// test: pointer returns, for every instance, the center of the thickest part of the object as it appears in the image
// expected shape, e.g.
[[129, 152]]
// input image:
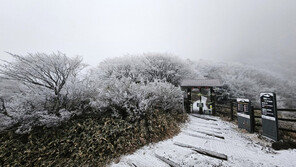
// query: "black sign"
[[245, 116], [269, 115], [268, 104]]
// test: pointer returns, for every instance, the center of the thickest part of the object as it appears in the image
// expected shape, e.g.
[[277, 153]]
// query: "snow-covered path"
[[242, 149]]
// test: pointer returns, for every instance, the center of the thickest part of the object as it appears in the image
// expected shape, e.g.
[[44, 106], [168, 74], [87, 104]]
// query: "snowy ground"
[[242, 149]]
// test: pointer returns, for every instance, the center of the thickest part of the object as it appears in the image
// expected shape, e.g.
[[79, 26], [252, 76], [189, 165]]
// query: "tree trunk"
[[56, 108]]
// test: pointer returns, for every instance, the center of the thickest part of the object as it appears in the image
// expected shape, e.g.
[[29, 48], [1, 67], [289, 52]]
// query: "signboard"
[[245, 115], [269, 115]]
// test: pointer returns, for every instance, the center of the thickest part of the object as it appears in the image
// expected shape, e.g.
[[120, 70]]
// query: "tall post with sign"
[[245, 117], [269, 115]]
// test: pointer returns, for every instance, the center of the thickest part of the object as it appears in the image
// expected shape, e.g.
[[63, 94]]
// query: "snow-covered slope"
[[242, 149]]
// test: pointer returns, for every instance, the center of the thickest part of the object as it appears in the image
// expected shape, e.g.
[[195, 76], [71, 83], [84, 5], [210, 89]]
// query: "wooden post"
[[189, 99], [213, 100], [211, 94], [200, 108], [214, 104], [231, 110], [252, 117], [211, 97]]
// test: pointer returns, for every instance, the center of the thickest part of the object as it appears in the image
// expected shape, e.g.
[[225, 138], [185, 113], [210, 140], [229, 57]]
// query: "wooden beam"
[[194, 135], [208, 123], [287, 109], [132, 164], [204, 151], [208, 130], [208, 119], [210, 127], [167, 161], [209, 134]]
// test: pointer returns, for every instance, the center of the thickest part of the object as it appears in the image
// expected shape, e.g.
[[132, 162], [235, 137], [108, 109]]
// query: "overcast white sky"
[[257, 30]]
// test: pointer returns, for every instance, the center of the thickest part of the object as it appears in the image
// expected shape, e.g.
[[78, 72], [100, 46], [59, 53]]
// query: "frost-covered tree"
[[247, 81], [165, 67], [40, 90], [50, 71], [146, 67], [133, 85]]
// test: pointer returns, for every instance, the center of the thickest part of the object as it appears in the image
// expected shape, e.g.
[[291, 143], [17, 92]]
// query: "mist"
[[259, 33]]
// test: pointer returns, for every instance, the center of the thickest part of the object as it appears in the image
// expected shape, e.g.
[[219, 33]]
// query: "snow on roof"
[[201, 83]]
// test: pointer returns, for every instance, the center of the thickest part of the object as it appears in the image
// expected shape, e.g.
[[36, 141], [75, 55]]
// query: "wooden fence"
[[286, 117]]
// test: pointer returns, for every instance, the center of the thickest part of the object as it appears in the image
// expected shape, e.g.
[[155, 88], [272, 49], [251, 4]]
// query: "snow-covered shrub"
[[247, 81], [146, 67], [124, 97], [41, 118], [77, 93], [26, 107], [131, 86], [5, 122]]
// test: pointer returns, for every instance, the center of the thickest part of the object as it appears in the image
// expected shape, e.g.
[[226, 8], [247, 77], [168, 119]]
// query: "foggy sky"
[[250, 31]]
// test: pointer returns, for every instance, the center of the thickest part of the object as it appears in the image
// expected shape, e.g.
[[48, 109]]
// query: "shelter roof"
[[201, 83]]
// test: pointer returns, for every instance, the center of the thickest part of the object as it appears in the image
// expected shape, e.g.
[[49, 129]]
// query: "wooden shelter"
[[189, 85]]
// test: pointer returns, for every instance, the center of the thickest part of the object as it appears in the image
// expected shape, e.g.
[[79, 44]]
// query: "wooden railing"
[[229, 110]]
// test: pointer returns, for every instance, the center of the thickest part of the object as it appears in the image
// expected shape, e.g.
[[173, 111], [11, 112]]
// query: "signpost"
[[245, 116], [269, 115]]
